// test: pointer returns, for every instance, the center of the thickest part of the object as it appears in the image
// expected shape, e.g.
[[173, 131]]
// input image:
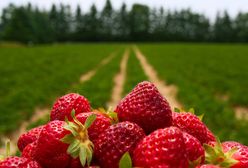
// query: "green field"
[[212, 78], [203, 74], [34, 76]]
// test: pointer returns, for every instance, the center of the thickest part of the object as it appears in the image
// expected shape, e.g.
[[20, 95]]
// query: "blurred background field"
[[45, 51]]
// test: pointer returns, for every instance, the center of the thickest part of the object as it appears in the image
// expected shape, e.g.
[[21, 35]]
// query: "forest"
[[30, 25]]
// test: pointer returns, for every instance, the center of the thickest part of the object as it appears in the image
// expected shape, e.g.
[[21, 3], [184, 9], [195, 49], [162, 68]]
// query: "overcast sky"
[[209, 7]]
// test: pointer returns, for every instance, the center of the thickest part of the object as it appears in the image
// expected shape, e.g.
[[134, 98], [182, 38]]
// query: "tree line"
[[29, 24]]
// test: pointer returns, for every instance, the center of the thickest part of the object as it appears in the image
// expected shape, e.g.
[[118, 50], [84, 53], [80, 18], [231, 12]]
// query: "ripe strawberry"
[[28, 137], [194, 149], [18, 162], [228, 154], [208, 166], [28, 151], [191, 124], [64, 105], [146, 107], [50, 150], [164, 147], [60, 142], [241, 153], [210, 136], [100, 124], [115, 141], [75, 163]]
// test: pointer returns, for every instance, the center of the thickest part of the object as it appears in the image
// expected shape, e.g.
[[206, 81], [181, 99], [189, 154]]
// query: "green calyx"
[[7, 152], [125, 161], [191, 110], [108, 113], [79, 142], [193, 164], [215, 155]]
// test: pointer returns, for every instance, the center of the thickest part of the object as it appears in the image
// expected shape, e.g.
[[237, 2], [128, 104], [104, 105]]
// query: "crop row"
[[34, 76], [134, 75], [210, 78]]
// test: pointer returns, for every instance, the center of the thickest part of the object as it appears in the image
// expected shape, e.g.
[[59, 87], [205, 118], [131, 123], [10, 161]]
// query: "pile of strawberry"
[[142, 131]]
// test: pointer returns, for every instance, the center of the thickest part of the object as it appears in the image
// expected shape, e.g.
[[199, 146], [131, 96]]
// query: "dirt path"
[[119, 81], [40, 113], [168, 91], [87, 76], [241, 113]]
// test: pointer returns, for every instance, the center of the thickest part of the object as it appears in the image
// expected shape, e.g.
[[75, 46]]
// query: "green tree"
[[223, 28], [91, 27], [107, 21], [20, 27], [63, 23], [53, 20], [121, 26], [139, 22], [241, 27]]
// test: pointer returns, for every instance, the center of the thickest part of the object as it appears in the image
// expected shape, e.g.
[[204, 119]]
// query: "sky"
[[208, 7]]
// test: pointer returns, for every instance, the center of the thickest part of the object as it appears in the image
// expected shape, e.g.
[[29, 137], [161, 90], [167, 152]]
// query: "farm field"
[[211, 78], [34, 76]]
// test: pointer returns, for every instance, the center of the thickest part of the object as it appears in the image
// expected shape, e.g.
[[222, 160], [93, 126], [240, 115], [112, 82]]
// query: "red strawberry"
[[146, 107], [210, 136], [28, 137], [228, 154], [241, 155], [53, 149], [191, 124], [18, 162], [230, 144], [75, 163], [208, 166], [50, 150], [194, 149], [64, 105], [115, 141], [28, 151], [100, 124], [163, 147]]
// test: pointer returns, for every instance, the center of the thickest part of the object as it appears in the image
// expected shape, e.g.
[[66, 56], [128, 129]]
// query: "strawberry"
[[50, 150], [60, 142], [228, 154], [75, 163], [191, 124], [241, 153], [115, 141], [28, 137], [64, 105], [194, 149], [164, 147], [18, 162], [210, 136], [28, 151], [146, 107], [100, 124], [208, 166]]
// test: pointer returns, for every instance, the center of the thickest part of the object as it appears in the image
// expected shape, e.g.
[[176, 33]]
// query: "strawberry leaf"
[[74, 146], [125, 161], [89, 121], [176, 109], [68, 139], [7, 148], [192, 110], [82, 156]]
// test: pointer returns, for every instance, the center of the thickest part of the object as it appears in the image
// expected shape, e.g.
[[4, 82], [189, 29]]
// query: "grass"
[[98, 89], [135, 73], [204, 74], [35, 76]]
